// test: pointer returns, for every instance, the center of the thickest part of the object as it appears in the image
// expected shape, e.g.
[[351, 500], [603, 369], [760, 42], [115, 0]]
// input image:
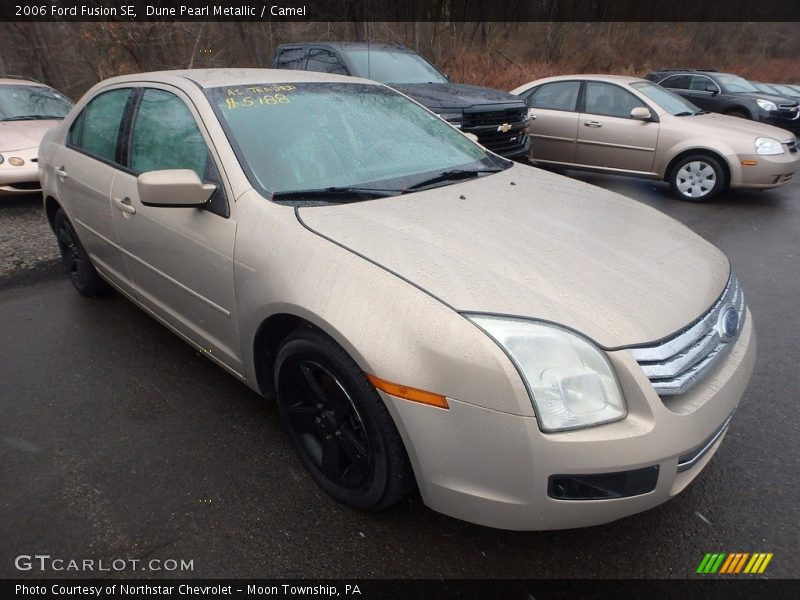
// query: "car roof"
[[210, 78], [350, 46], [5, 80], [593, 77]]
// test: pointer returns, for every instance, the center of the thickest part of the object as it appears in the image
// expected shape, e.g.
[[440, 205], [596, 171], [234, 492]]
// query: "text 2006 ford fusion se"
[[529, 351]]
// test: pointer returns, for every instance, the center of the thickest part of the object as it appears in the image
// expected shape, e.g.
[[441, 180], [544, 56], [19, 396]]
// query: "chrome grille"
[[676, 364]]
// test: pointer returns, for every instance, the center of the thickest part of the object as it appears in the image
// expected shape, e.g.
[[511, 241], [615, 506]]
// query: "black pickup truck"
[[497, 118]]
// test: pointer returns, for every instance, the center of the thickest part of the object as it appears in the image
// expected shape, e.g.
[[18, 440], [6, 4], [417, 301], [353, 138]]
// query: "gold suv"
[[631, 126]]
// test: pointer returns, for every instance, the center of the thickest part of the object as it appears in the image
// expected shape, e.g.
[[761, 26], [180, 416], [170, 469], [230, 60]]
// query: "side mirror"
[[641, 113], [471, 136], [710, 87], [173, 188]]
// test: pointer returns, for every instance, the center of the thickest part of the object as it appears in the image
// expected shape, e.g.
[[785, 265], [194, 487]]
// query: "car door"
[[180, 259], [85, 169], [553, 121], [703, 92], [607, 135]]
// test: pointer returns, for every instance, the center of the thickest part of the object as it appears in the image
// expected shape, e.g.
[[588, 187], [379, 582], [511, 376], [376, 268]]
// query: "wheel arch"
[[739, 108], [51, 206]]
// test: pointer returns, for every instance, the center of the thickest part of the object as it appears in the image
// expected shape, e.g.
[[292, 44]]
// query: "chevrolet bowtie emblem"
[[505, 127]]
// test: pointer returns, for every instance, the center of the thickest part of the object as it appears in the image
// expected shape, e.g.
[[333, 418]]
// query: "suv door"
[[85, 169], [553, 124], [180, 259], [607, 135]]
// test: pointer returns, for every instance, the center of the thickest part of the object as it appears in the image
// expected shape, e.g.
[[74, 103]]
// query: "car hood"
[[21, 135], [455, 95], [725, 125], [534, 244]]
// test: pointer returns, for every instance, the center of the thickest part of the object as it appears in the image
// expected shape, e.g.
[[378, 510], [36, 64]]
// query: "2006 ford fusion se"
[[530, 351]]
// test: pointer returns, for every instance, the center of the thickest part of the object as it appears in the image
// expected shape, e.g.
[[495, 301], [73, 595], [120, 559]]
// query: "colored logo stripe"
[[724, 563]]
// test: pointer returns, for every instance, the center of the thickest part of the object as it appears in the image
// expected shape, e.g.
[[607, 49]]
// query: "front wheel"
[[76, 260], [338, 423], [697, 178]]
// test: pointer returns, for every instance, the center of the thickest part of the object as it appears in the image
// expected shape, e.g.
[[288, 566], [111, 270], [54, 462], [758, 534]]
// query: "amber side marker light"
[[749, 163], [408, 393]]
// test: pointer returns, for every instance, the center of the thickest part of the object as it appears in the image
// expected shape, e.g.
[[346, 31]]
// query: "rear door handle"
[[124, 205], [61, 172], [593, 123]]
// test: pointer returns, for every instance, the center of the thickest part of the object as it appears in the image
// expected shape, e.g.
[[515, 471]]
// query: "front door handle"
[[61, 172], [124, 205], [593, 123]]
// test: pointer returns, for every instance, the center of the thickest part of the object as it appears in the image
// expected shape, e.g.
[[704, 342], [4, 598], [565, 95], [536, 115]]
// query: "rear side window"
[[96, 130], [291, 58], [677, 82], [325, 61], [561, 95], [609, 100]]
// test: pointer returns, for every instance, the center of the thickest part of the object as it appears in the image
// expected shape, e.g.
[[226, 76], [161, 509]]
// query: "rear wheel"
[[338, 423], [76, 260], [697, 178]]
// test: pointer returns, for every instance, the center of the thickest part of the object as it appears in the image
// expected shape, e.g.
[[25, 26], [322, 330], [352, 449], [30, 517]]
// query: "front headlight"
[[768, 146], [570, 380], [768, 105]]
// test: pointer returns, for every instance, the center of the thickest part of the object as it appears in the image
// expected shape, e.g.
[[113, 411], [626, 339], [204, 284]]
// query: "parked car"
[[495, 117], [731, 95], [786, 90], [632, 126], [518, 344], [27, 110]]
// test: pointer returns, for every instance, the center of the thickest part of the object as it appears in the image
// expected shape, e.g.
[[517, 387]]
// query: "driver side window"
[[165, 135]]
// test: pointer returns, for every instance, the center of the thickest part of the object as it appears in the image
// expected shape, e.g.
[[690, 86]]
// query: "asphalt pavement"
[[117, 440]]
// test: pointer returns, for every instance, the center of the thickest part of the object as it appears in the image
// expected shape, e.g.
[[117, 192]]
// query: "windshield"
[[31, 102], [735, 84], [388, 66], [670, 102], [314, 136]]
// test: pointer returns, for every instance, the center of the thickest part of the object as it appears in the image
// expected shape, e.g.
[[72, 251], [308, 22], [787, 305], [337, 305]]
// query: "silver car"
[[530, 351]]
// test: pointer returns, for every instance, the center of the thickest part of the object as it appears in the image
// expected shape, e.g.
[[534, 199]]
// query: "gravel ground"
[[26, 240]]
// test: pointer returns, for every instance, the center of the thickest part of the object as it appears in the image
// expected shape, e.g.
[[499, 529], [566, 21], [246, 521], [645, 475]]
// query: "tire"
[[738, 113], [338, 424], [76, 260], [697, 178]]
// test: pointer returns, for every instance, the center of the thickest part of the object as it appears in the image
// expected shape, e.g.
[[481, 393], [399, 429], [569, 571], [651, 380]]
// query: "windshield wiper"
[[453, 175], [31, 118], [336, 194]]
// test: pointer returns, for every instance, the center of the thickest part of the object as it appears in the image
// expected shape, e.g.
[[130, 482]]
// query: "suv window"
[[560, 95], [324, 61], [701, 83], [291, 58], [609, 100], [97, 128], [165, 135], [677, 82]]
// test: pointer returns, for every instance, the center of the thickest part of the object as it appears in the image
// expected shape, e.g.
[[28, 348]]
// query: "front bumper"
[[23, 179], [769, 172], [496, 469]]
